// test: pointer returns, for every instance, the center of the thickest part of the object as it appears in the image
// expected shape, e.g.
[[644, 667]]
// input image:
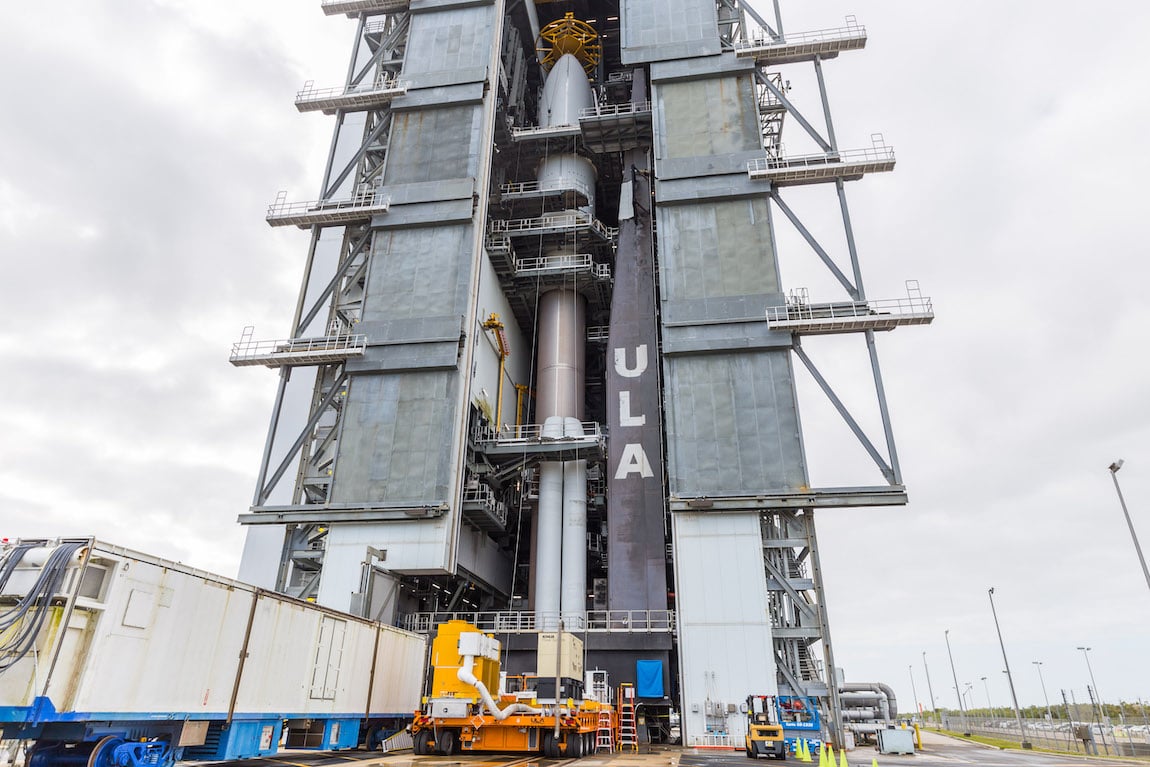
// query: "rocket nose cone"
[[566, 93]]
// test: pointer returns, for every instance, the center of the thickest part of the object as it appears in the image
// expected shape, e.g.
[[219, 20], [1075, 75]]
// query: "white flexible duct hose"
[[467, 676]]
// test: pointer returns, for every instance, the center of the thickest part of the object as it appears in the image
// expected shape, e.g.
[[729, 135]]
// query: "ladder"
[[605, 734], [628, 735]]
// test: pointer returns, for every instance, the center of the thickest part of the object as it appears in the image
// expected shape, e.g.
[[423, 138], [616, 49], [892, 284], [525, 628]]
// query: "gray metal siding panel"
[[449, 46], [658, 30], [732, 425], [417, 274], [707, 118], [710, 339], [717, 250], [437, 144], [397, 438]]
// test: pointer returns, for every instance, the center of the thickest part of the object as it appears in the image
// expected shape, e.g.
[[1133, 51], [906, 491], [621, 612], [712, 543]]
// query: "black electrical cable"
[[22, 623]]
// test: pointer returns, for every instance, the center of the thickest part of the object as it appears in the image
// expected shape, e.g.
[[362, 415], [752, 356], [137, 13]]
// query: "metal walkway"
[[799, 47]]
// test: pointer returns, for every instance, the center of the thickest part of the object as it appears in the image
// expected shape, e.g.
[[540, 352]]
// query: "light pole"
[[1114, 467], [1009, 677], [917, 707], [989, 705], [957, 691], [968, 692], [1049, 714], [1098, 695], [930, 688]]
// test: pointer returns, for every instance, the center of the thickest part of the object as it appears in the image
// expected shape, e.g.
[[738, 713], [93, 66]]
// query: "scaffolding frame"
[[332, 293]]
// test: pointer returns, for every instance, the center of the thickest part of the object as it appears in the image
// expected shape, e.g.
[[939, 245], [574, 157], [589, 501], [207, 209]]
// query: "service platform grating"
[[799, 47]]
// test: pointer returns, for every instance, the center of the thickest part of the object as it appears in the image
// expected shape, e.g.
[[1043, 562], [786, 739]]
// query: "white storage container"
[[133, 637]]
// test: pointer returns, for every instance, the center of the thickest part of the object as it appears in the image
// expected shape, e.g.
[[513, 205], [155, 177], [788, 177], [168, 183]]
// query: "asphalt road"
[[937, 751]]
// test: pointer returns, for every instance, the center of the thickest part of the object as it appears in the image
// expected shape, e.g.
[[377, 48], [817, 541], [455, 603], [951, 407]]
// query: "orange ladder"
[[628, 735]]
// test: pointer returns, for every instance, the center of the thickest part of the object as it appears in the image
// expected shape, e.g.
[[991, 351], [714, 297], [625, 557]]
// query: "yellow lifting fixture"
[[569, 35], [494, 324]]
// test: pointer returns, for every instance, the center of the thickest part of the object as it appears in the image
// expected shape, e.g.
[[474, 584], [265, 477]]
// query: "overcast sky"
[[140, 142]]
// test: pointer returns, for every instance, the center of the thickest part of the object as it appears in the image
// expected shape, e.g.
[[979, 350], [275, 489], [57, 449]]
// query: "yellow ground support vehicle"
[[463, 715], [764, 734]]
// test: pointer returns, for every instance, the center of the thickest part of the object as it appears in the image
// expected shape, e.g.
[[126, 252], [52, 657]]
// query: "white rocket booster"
[[561, 523]]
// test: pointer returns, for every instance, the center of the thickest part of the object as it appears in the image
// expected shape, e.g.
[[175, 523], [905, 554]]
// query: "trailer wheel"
[[574, 745], [447, 742], [588, 743], [423, 742], [550, 745], [93, 753]]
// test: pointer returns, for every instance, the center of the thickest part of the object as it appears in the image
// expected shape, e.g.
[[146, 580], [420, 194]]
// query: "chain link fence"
[[1057, 735]]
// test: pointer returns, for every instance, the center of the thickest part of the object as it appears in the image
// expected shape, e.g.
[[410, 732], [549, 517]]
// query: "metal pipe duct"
[[466, 674], [533, 20], [884, 694], [859, 714]]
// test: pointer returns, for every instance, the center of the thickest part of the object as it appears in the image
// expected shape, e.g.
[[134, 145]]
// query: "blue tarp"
[[649, 678]]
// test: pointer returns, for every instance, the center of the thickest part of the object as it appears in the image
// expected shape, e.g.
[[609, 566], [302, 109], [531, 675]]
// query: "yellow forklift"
[[764, 733]]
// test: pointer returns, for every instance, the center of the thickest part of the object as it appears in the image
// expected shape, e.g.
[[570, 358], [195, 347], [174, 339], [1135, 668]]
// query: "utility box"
[[570, 660], [898, 741]]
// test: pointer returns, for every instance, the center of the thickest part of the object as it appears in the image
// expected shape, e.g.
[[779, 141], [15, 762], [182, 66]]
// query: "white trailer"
[[113, 657]]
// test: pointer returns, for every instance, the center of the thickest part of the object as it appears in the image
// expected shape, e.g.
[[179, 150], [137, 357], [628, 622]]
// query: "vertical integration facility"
[[542, 366]]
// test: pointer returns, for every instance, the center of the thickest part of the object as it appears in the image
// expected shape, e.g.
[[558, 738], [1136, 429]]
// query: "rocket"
[[560, 587]]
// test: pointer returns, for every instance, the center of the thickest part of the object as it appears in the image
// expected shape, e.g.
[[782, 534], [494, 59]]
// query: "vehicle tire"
[[574, 745], [419, 743], [750, 753], [550, 745], [589, 741], [447, 742]]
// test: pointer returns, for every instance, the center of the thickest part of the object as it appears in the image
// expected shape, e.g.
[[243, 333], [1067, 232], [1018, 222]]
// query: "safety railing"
[[853, 32], [546, 264], [850, 309], [550, 131], [364, 93], [875, 154], [298, 351], [333, 7], [483, 497], [552, 223], [534, 432], [539, 188], [360, 207], [615, 110], [514, 622], [554, 443], [799, 315]]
